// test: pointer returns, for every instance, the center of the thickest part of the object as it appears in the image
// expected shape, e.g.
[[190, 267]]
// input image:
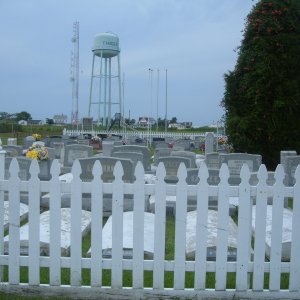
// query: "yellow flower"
[[33, 154]]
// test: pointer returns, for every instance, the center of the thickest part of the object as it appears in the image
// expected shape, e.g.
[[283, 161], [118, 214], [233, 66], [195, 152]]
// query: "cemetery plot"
[[128, 236], [286, 231], [65, 238], [212, 228]]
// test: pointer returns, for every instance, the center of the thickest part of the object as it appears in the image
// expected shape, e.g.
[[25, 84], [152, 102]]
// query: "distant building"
[[34, 122], [60, 119], [180, 126], [145, 121], [22, 122]]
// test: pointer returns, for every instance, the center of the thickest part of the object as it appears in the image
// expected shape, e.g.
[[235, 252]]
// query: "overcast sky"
[[193, 39]]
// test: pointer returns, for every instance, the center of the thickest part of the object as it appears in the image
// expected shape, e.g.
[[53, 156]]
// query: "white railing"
[[243, 266], [142, 134]]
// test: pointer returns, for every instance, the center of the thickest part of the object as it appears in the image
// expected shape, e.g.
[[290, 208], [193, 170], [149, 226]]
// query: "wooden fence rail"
[[248, 261]]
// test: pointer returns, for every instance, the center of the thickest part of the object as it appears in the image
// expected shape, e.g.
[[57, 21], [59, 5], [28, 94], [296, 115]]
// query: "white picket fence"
[[246, 285], [142, 134]]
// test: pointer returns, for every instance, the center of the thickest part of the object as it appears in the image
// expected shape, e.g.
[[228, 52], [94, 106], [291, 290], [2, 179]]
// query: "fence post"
[[2, 172]]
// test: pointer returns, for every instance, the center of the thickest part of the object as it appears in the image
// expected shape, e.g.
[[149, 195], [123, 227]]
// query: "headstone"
[[13, 150], [65, 233], [284, 155], [212, 161], [12, 142], [107, 147], [73, 152], [136, 148], [212, 229], [134, 156], [286, 231], [161, 152], [108, 165], [182, 144], [172, 164], [187, 154], [291, 165], [51, 153], [128, 236], [209, 142], [24, 166], [59, 149], [28, 141], [235, 162]]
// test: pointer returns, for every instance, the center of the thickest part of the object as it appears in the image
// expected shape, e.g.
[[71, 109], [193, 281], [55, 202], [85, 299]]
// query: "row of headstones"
[[288, 159]]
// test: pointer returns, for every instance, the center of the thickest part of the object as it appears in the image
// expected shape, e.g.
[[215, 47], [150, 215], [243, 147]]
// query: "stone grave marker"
[[212, 161], [28, 141], [187, 154], [136, 148], [209, 142], [13, 150], [235, 162], [12, 142], [73, 152], [107, 147], [51, 153], [134, 156], [161, 152], [212, 228], [128, 236], [171, 164], [291, 164]]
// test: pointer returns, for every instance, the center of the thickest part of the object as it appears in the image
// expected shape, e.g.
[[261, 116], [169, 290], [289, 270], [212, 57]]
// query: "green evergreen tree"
[[262, 93]]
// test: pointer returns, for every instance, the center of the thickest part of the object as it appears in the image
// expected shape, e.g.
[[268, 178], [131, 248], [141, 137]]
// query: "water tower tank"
[[106, 43]]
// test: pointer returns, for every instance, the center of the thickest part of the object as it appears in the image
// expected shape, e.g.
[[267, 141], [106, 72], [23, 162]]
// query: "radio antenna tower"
[[75, 73]]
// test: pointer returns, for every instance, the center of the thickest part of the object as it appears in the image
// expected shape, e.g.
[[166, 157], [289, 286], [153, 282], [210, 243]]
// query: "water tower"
[[105, 89]]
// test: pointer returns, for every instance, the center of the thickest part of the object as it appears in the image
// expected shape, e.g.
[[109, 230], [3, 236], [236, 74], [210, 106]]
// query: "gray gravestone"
[[212, 161], [59, 149], [13, 150], [51, 153], [235, 162], [209, 142], [291, 165], [107, 147], [172, 164], [182, 144], [12, 142], [187, 154], [134, 156], [161, 152], [136, 148], [24, 166], [73, 152], [28, 141]]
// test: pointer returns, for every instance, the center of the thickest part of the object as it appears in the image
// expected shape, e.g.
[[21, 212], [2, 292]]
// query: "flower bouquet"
[[37, 136], [37, 152]]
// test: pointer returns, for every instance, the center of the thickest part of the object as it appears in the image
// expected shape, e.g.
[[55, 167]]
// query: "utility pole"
[[166, 115], [75, 73]]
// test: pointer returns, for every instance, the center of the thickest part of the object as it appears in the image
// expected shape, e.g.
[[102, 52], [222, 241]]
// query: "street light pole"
[[166, 115]]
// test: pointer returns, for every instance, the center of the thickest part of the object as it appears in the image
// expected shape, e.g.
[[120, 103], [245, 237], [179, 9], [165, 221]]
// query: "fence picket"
[[201, 230], [260, 229], [138, 224], [14, 223], [34, 224], [76, 242], [276, 235], [117, 227], [222, 231], [2, 170], [295, 248], [96, 226], [244, 230], [180, 228], [55, 220], [159, 228]]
